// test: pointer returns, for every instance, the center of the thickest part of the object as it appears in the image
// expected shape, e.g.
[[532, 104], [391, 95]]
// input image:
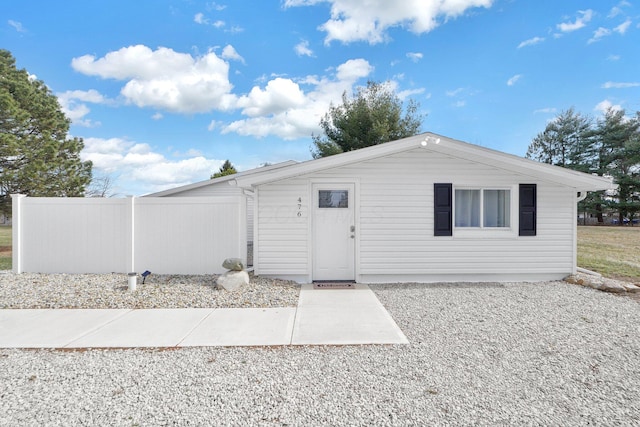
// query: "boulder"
[[232, 280], [631, 288], [233, 264], [611, 286], [598, 285], [571, 279]]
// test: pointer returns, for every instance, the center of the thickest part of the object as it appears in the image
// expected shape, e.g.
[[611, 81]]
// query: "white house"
[[421, 209]]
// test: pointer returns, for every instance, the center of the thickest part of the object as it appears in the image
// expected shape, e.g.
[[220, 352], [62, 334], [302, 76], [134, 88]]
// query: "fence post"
[[131, 224], [16, 232]]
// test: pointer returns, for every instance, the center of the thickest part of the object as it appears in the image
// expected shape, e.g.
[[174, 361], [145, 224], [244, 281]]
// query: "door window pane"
[[333, 198], [497, 208], [467, 208]]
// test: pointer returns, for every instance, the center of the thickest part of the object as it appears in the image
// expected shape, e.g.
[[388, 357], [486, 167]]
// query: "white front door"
[[334, 232]]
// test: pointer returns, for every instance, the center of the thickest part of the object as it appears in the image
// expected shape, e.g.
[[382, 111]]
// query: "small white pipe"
[[133, 278], [589, 272]]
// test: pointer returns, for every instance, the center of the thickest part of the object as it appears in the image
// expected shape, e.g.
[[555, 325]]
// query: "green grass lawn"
[[612, 251], [5, 248]]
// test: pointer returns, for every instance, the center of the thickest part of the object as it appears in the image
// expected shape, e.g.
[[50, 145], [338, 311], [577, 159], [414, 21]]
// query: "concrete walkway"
[[323, 317]]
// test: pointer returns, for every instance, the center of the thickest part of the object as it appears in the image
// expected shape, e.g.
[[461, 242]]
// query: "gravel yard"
[[159, 291], [480, 354]]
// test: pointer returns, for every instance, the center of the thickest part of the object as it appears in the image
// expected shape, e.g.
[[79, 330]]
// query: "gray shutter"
[[443, 209], [528, 210]]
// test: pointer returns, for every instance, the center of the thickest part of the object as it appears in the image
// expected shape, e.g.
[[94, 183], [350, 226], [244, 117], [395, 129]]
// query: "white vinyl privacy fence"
[[187, 235]]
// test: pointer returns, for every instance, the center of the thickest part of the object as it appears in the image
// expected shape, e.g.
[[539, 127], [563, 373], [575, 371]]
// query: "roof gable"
[[440, 144]]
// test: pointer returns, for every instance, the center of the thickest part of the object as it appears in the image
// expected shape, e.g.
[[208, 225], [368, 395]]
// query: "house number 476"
[[299, 207]]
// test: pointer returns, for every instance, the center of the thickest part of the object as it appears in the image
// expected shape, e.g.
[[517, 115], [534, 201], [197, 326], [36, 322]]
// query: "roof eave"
[[543, 171], [437, 143], [226, 178], [341, 159]]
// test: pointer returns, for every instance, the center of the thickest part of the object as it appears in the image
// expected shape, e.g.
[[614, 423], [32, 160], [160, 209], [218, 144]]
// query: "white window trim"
[[487, 232]]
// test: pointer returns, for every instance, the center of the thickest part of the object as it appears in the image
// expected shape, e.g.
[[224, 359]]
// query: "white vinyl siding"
[[283, 229], [395, 236]]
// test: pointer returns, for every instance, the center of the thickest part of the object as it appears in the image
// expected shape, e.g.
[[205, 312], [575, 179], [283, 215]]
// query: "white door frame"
[[356, 221]]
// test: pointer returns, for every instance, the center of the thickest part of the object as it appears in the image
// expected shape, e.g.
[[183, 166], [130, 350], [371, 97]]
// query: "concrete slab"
[[51, 328], [323, 317], [244, 327], [145, 328], [343, 316]]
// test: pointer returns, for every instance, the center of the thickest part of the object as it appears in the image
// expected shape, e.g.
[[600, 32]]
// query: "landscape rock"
[[596, 285], [571, 279], [632, 288], [603, 284], [233, 264], [610, 286], [232, 280]]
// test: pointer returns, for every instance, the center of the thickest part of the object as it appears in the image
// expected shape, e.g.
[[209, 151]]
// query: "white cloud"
[[164, 79], [73, 105], [580, 22], [622, 28], [235, 29], [278, 96], [214, 124], [215, 6], [302, 49], [17, 26], [355, 20], [547, 110], [598, 34], [514, 79], [229, 52], [169, 81], [613, 58], [353, 70], [291, 3], [91, 95], [606, 105], [604, 32], [284, 109], [137, 166], [414, 56], [200, 19], [619, 85], [404, 94], [617, 10], [461, 94], [531, 42]]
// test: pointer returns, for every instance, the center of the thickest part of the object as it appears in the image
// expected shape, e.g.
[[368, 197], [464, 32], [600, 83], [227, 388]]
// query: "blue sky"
[[163, 91]]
